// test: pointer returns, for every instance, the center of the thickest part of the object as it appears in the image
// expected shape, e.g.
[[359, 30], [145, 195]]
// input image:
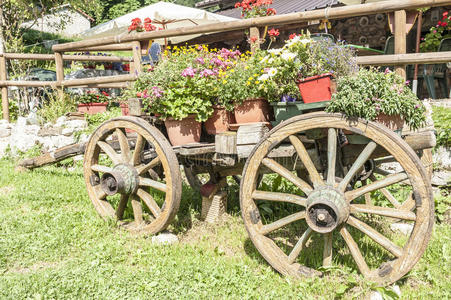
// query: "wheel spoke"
[[152, 183], [368, 200], [281, 170], [121, 206], [123, 143], [381, 172], [363, 157], [137, 209], [139, 146], [327, 252], [110, 152], [331, 155], [279, 197], [409, 204], [383, 211], [100, 168], [149, 201], [306, 160], [100, 194], [387, 181], [355, 252], [282, 222], [300, 245], [144, 168], [375, 236]]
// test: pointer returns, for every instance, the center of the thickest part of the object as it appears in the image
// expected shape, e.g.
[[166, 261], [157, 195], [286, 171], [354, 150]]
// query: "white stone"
[[47, 125], [51, 143], [376, 296], [60, 121], [21, 121], [22, 141], [442, 158], [165, 238], [396, 289], [3, 122], [67, 131], [78, 158], [441, 178], [403, 228], [83, 138], [31, 129], [5, 132], [4, 143]]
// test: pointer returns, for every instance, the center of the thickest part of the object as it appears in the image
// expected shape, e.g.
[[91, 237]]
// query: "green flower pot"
[[285, 110]]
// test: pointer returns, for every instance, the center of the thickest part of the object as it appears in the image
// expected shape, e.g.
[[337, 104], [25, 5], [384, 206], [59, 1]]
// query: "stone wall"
[[22, 136]]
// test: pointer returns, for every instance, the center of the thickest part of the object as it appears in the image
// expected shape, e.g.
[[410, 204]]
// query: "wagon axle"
[[122, 179]]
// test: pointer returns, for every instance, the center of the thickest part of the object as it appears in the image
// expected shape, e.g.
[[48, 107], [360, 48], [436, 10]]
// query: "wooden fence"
[[131, 42]]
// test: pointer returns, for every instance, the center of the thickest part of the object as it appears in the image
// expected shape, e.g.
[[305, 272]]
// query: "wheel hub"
[[122, 179], [326, 209]]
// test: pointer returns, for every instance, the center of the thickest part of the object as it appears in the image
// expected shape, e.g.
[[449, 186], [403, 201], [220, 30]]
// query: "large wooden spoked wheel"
[[132, 175], [333, 222]]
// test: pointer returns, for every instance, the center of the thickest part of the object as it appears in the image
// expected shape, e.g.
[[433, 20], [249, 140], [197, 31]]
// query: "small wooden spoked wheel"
[[337, 211], [128, 160]]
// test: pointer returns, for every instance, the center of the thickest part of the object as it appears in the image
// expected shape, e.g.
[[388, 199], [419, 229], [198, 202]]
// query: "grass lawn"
[[53, 245]]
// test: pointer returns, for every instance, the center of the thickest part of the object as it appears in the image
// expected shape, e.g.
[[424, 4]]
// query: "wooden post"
[[400, 38], [254, 34], [59, 74], [135, 68], [3, 76]]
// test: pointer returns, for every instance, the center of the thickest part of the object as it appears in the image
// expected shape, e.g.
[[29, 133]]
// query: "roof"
[[281, 6]]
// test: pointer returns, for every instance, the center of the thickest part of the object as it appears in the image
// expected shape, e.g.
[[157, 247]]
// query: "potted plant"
[[239, 92], [93, 103], [378, 96], [303, 61], [138, 26]]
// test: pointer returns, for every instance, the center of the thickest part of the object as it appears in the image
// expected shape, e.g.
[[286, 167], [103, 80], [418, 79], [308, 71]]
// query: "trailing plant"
[[56, 107], [93, 97], [436, 34], [370, 93]]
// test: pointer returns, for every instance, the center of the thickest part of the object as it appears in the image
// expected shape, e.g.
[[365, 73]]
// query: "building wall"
[[66, 22]]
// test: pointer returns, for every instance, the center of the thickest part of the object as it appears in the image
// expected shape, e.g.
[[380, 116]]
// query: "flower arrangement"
[[93, 97], [370, 93], [255, 8], [301, 57], [138, 26], [186, 81], [437, 33]]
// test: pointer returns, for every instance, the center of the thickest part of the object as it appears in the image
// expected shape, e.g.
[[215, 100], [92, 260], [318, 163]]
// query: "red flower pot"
[[92, 108], [185, 131], [252, 111], [218, 122], [124, 109], [316, 88]]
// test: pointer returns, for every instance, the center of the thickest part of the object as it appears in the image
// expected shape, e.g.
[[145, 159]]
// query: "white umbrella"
[[163, 14]]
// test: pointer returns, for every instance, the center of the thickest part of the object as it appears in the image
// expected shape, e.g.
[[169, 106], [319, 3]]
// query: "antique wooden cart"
[[335, 193]]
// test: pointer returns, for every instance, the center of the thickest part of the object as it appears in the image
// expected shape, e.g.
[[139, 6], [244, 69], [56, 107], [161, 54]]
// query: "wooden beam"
[[59, 73], [400, 39], [111, 47], [98, 80], [136, 65], [405, 59], [5, 102], [332, 13], [254, 33], [34, 56]]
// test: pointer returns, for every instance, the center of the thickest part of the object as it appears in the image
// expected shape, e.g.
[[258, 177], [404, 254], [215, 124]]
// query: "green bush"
[[13, 110], [442, 124], [55, 107]]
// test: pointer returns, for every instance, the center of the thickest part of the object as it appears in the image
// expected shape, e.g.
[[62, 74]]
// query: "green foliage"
[[13, 109], [93, 97], [442, 205], [371, 93], [431, 41], [56, 107], [96, 120], [442, 124]]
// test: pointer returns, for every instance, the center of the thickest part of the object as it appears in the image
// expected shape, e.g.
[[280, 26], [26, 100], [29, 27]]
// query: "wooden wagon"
[[331, 194]]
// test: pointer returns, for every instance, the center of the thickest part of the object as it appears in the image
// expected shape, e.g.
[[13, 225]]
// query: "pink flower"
[[188, 72], [200, 60], [387, 70], [206, 73]]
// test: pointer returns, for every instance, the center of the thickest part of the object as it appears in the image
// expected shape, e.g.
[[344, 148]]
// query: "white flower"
[[264, 59], [271, 60], [288, 55], [275, 51], [263, 77], [305, 41], [272, 72]]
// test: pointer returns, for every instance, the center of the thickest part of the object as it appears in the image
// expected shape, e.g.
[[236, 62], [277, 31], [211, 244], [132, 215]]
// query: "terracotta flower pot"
[[124, 109], [183, 131], [92, 108], [394, 122], [316, 88], [218, 122], [252, 111]]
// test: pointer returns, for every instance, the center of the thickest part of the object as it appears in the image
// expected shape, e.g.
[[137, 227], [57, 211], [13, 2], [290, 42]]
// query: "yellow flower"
[[248, 83], [224, 81], [257, 82]]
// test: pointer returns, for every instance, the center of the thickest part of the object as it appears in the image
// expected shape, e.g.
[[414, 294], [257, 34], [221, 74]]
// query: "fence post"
[[4, 76], [59, 74], [400, 39], [254, 34], [136, 66]]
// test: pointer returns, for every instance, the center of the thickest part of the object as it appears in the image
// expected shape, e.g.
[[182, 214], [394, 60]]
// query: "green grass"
[[53, 245]]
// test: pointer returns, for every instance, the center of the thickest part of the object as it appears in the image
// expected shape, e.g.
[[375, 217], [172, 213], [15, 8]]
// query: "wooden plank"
[[400, 39], [59, 73], [97, 80], [405, 59], [5, 101], [332, 13], [251, 133], [254, 34], [225, 142], [136, 66], [71, 57]]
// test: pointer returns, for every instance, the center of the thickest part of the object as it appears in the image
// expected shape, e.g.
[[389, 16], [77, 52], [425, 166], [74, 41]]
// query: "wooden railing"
[[131, 42]]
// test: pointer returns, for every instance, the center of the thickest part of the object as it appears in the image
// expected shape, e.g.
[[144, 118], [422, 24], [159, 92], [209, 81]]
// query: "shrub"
[[442, 124], [56, 107]]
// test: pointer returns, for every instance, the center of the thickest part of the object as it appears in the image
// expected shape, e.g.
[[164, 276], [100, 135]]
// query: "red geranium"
[[255, 8], [273, 32]]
